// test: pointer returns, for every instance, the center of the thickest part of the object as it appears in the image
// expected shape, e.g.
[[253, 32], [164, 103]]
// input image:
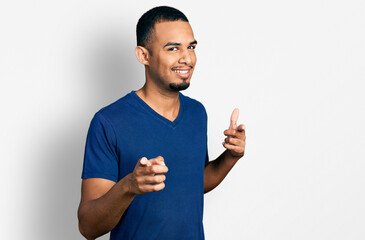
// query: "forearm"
[[99, 216], [218, 169]]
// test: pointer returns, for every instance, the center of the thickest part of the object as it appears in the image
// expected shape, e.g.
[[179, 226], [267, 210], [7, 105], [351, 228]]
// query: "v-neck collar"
[[157, 115]]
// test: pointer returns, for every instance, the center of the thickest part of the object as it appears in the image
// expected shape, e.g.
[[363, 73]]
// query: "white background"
[[295, 69]]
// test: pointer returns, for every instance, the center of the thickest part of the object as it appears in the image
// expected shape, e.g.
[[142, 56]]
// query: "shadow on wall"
[[114, 68], [112, 72]]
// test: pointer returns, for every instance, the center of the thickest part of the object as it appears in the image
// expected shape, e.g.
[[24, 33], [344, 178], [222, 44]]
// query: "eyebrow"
[[178, 44]]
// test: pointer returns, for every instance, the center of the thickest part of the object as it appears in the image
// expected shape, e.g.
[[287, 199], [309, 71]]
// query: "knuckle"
[[139, 180], [140, 188], [153, 169], [136, 175], [149, 170], [137, 171]]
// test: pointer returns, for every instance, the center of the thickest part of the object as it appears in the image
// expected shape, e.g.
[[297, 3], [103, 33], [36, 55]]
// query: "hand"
[[236, 136], [147, 175]]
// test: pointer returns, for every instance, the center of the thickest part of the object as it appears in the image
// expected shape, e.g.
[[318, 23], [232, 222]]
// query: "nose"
[[186, 57]]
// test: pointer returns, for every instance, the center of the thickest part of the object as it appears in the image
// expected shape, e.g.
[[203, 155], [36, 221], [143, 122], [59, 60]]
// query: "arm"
[[235, 143], [217, 170], [103, 202]]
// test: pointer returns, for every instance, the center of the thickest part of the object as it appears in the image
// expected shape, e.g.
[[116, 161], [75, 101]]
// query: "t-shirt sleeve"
[[100, 158], [206, 157], [205, 117]]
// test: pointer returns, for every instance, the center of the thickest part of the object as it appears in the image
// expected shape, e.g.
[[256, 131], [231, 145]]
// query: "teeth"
[[181, 71]]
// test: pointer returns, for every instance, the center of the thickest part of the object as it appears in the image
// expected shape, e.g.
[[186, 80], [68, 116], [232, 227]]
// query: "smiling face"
[[171, 59]]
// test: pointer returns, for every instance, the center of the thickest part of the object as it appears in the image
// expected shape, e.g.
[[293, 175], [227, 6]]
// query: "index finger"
[[234, 118], [155, 169], [158, 160]]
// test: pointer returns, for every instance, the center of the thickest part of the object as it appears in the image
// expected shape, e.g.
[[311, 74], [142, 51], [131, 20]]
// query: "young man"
[[146, 165]]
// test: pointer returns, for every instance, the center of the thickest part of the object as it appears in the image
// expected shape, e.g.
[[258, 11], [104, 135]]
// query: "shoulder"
[[117, 106], [191, 104], [117, 110]]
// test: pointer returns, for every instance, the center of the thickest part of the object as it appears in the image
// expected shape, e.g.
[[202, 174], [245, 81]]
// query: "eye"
[[172, 49], [191, 47]]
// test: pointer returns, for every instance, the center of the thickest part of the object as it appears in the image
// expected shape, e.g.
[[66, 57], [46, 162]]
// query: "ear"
[[142, 55]]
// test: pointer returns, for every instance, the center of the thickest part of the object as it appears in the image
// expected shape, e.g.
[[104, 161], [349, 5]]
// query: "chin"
[[179, 86]]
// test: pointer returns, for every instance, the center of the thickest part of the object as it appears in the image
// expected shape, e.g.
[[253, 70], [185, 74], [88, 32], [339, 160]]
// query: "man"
[[146, 165]]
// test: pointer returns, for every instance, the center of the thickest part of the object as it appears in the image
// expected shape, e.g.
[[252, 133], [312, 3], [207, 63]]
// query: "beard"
[[179, 87]]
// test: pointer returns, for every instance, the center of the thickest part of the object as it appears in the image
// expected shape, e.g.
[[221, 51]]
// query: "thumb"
[[144, 162], [234, 118]]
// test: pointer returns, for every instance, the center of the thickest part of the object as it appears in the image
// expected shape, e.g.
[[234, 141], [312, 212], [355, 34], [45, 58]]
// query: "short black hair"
[[155, 15]]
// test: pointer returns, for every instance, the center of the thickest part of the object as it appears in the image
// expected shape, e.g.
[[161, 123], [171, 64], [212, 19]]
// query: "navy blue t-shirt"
[[127, 130]]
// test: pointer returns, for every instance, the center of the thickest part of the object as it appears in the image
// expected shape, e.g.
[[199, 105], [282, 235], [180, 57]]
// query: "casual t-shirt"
[[127, 130]]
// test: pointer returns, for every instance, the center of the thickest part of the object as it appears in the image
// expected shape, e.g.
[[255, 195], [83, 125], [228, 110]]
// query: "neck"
[[165, 103]]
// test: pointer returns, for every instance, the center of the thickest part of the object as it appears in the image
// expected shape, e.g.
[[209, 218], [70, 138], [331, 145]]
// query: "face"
[[173, 59]]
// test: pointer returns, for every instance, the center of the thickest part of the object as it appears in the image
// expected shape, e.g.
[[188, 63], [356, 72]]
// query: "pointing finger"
[[234, 118], [158, 160], [155, 169]]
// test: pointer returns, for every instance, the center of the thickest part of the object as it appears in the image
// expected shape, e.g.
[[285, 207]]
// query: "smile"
[[182, 73]]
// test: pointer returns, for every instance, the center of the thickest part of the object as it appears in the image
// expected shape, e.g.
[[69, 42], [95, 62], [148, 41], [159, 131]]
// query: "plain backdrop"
[[295, 69]]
